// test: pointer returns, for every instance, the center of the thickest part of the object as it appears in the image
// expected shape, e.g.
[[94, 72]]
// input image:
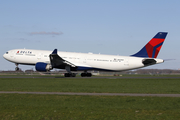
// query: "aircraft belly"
[[106, 66], [127, 64]]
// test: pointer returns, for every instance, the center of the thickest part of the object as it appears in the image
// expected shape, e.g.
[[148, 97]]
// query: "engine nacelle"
[[43, 67]]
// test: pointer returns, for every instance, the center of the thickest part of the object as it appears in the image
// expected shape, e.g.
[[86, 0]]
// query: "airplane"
[[47, 60]]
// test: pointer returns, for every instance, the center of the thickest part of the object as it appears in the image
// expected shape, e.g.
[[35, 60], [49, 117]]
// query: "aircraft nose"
[[5, 55]]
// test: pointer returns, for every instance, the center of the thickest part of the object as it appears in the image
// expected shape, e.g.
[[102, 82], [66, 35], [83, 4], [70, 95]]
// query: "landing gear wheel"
[[70, 75], [16, 69], [86, 74], [73, 75]]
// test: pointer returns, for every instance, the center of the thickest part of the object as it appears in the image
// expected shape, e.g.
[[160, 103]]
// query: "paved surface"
[[92, 94], [102, 77]]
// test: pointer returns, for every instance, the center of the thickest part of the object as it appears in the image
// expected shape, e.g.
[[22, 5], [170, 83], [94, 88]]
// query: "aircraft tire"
[[86, 74], [73, 75], [69, 75], [89, 75], [17, 69]]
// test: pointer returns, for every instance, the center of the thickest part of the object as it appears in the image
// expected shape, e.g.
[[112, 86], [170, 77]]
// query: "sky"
[[115, 27]]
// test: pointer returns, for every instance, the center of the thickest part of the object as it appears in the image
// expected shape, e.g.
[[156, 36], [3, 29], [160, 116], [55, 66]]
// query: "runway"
[[93, 94], [97, 77]]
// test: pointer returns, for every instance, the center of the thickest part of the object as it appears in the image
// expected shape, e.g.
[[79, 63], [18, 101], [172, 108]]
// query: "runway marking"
[[93, 94]]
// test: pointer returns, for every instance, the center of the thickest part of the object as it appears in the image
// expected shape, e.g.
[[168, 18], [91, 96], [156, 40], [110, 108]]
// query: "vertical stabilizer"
[[152, 48]]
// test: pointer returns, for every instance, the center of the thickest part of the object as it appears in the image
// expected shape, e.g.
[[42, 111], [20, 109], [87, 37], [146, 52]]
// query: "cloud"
[[46, 33]]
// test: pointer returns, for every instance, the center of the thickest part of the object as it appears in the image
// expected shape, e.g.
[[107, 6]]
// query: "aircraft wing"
[[56, 60]]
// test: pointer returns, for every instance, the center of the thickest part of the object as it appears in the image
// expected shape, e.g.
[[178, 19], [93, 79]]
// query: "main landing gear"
[[74, 74], [70, 75], [17, 68], [86, 74]]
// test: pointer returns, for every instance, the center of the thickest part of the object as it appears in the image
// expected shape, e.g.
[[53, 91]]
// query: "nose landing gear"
[[17, 68]]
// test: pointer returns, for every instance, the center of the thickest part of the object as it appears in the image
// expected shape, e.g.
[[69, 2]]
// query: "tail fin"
[[152, 48]]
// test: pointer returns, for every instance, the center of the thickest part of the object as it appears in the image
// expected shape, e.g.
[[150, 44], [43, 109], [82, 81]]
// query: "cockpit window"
[[6, 52]]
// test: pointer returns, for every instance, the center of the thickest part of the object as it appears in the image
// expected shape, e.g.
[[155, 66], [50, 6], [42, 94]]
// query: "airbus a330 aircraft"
[[47, 60]]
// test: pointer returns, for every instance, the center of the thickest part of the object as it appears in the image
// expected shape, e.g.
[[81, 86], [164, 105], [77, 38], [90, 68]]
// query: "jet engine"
[[43, 67]]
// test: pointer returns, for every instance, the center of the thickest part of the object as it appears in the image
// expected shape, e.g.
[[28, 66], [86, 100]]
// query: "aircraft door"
[[13, 54], [40, 55], [126, 62]]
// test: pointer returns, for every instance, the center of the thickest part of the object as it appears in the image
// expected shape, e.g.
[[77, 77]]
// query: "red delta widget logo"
[[24, 52]]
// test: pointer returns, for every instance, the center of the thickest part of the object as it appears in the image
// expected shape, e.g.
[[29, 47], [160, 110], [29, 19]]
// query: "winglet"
[[55, 51], [152, 48]]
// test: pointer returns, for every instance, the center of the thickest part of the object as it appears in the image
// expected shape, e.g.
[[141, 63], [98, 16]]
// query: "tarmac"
[[94, 77]]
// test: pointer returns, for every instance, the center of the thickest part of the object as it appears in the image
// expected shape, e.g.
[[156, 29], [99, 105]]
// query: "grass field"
[[97, 85], [64, 107], [54, 107]]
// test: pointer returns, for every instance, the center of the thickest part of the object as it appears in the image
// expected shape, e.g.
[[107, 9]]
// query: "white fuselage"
[[87, 61]]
